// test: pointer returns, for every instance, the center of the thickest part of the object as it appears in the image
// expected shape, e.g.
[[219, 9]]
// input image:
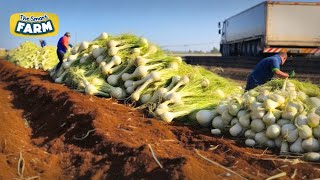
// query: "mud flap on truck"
[[315, 51]]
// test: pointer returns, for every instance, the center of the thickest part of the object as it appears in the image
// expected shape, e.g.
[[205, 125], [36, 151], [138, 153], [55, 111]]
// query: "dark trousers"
[[251, 83], [60, 57]]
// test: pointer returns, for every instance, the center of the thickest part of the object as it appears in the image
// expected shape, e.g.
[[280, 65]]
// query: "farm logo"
[[34, 24]]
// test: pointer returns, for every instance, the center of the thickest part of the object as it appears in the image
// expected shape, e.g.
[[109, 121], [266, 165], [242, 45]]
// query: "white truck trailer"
[[271, 27]]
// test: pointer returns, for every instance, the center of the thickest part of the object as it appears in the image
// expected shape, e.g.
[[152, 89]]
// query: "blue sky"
[[173, 24]]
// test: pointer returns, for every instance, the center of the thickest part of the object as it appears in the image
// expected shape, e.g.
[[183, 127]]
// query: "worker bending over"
[[266, 69]]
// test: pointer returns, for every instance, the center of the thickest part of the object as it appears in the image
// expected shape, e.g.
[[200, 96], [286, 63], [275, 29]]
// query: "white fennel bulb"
[[234, 108], [83, 46], [248, 100], [261, 138], [102, 36], [257, 125], [302, 96], [289, 132], [217, 123], [255, 105], [245, 120], [278, 142], [144, 98], [289, 113], [277, 98], [301, 119], [269, 118], [220, 93], [205, 83], [304, 131], [317, 111], [314, 101], [311, 144], [205, 117], [273, 131], [93, 47], [97, 52], [316, 132], [215, 131], [292, 136], [313, 120], [295, 104], [282, 122], [249, 134], [286, 128], [263, 95], [234, 121], [72, 58], [118, 93], [289, 85], [270, 104], [84, 58], [221, 108], [100, 59], [312, 156], [270, 143], [277, 113], [226, 117], [241, 113], [236, 130], [250, 142], [258, 113], [296, 147]]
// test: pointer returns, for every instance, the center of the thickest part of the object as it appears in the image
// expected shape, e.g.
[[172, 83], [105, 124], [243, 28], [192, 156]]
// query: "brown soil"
[[51, 132]]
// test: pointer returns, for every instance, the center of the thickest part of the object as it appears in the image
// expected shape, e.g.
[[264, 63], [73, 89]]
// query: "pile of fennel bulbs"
[[283, 114], [130, 68], [29, 55]]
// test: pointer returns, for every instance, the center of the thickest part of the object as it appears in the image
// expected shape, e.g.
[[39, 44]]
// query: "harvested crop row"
[[29, 55], [127, 67]]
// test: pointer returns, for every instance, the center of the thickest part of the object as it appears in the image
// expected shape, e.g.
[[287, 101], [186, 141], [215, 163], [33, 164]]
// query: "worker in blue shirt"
[[266, 69], [43, 43]]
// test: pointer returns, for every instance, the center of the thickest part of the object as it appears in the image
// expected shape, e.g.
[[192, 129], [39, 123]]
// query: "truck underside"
[[257, 47]]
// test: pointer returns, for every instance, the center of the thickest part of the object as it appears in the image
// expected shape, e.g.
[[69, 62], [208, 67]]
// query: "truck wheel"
[[248, 49], [243, 49], [227, 50], [224, 50], [254, 48]]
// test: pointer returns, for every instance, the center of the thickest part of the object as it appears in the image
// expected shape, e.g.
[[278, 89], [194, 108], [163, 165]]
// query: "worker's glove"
[[292, 74], [70, 45]]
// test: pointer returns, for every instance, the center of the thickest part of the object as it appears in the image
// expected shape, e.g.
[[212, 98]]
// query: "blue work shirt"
[[263, 71], [43, 43]]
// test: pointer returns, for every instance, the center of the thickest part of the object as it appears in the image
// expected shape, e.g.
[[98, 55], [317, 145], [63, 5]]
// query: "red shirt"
[[63, 44]]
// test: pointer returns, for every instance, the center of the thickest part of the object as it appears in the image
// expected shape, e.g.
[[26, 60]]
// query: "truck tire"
[[243, 49], [248, 52], [222, 50], [225, 50], [254, 48]]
